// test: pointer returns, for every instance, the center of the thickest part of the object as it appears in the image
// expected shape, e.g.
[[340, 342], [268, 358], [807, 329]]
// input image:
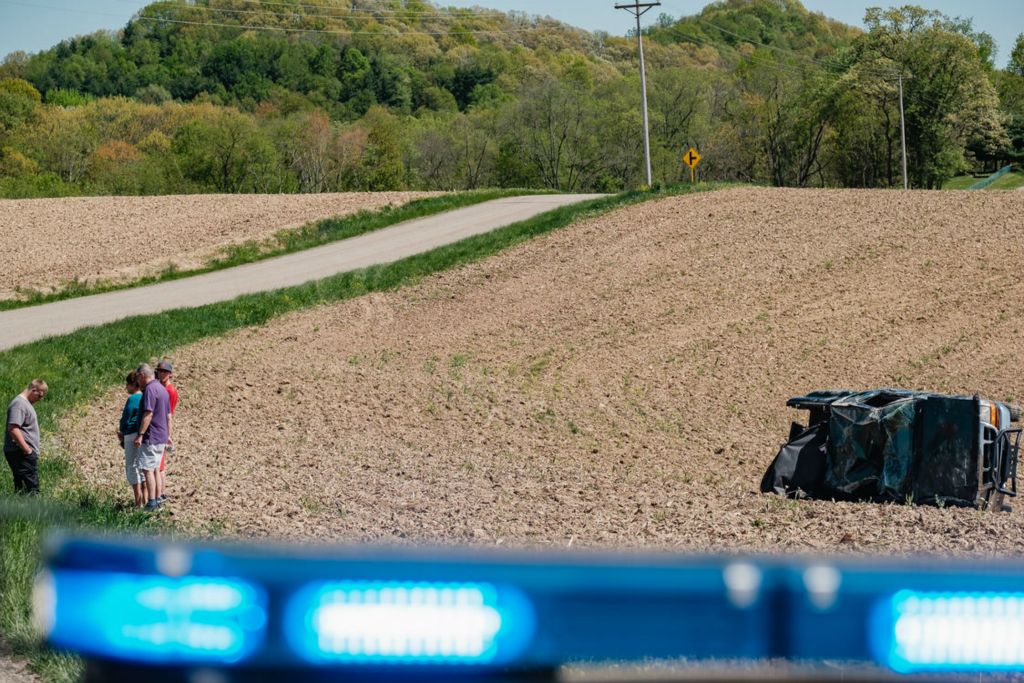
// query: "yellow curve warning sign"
[[691, 158]]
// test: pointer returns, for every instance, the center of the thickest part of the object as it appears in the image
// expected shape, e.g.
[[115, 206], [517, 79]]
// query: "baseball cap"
[[165, 365]]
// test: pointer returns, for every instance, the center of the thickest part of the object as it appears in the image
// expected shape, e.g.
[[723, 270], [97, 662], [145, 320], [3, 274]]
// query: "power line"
[[338, 13], [314, 15], [65, 9], [358, 10], [438, 10], [471, 16], [286, 29], [832, 66], [338, 17], [892, 76], [752, 42]]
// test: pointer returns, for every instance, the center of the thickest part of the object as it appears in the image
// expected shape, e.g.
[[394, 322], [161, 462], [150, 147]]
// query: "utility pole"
[[903, 135], [639, 9]]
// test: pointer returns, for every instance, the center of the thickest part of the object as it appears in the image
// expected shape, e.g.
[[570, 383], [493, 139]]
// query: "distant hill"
[[407, 55], [738, 26], [288, 96]]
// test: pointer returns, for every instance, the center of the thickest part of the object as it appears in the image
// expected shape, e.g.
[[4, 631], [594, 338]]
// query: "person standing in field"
[[152, 437], [127, 430], [164, 370], [21, 438]]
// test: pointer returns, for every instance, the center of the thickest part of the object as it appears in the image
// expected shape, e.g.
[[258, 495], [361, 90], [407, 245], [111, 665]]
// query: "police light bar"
[[428, 613], [408, 622]]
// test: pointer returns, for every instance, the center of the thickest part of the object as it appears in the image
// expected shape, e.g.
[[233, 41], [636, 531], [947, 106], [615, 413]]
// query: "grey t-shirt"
[[21, 413]]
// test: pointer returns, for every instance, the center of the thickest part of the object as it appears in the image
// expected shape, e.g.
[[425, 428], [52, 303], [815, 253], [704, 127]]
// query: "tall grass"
[[23, 526], [81, 365]]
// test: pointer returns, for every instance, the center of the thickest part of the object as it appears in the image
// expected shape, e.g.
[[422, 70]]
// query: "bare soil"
[[50, 242], [619, 383], [14, 669]]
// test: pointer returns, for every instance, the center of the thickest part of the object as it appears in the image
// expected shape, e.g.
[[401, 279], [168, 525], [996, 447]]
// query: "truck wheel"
[[1014, 412]]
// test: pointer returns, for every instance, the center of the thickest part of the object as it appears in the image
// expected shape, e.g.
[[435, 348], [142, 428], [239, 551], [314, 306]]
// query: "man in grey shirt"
[[21, 438]]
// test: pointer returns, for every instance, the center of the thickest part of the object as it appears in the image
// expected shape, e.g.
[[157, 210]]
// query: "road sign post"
[[691, 159]]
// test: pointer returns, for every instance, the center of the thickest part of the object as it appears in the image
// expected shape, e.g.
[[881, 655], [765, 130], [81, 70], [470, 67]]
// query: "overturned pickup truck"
[[901, 446]]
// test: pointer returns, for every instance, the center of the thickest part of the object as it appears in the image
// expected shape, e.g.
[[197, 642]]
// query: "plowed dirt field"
[[49, 242], [619, 383]]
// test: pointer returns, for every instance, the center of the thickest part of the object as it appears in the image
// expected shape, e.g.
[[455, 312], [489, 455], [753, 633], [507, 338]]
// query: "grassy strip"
[[960, 182], [1011, 181], [23, 526], [82, 364], [284, 242]]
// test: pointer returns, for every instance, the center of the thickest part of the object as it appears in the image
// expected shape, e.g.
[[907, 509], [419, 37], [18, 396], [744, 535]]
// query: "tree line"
[[242, 96]]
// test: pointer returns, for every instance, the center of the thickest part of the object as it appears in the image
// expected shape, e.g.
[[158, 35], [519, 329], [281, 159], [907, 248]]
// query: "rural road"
[[23, 325]]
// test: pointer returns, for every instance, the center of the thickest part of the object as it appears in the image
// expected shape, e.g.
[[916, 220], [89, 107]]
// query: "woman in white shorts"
[[127, 430]]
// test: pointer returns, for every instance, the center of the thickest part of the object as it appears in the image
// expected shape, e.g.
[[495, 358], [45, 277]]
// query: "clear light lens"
[[157, 618], [408, 622], [954, 631]]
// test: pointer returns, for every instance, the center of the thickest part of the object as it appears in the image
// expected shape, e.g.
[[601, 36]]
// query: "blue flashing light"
[[394, 623], [156, 619], [951, 632]]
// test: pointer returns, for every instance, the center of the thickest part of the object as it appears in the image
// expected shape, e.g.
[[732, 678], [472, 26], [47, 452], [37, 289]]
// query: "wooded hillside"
[[253, 96]]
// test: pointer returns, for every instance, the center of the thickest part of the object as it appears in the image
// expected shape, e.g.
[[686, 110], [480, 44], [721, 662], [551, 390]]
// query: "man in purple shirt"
[[153, 432]]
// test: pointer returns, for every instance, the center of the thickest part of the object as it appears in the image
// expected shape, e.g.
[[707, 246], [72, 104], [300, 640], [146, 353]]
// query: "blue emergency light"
[[408, 622], [954, 632], [155, 619], [462, 613]]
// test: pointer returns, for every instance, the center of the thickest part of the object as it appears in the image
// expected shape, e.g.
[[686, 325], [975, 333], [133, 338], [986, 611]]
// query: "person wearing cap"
[[21, 438], [152, 436], [164, 370]]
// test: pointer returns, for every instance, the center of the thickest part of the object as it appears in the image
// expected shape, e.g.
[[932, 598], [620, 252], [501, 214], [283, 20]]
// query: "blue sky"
[[33, 25]]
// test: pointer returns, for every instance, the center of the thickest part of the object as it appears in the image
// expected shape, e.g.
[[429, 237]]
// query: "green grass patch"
[[1011, 181], [23, 525], [284, 242], [961, 182], [83, 364]]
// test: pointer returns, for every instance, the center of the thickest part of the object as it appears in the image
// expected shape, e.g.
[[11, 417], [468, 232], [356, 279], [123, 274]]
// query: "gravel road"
[[49, 242], [396, 242]]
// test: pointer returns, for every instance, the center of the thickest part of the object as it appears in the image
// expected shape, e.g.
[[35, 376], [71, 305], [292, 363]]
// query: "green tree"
[[555, 122], [153, 94], [392, 82], [223, 150], [784, 112], [1016, 66], [19, 102], [306, 142], [949, 98], [63, 141], [383, 166]]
